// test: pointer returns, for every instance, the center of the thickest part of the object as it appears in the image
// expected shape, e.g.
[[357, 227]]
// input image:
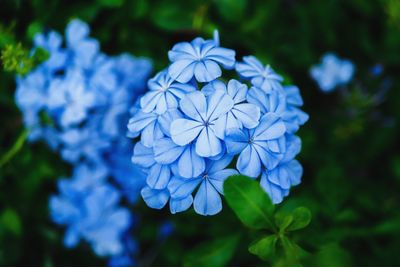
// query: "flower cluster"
[[78, 102], [193, 125], [332, 72]]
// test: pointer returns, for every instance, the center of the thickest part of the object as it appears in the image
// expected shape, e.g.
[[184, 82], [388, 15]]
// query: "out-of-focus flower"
[[88, 208], [332, 72], [78, 102]]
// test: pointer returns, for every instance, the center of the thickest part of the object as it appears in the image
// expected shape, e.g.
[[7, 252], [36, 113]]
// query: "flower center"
[[251, 140]]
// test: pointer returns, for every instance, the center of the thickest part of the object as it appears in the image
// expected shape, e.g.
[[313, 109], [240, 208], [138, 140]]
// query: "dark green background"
[[350, 150]]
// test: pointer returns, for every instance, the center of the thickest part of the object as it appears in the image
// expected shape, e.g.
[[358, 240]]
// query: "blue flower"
[[190, 135], [155, 198], [263, 77], [88, 208], [158, 175], [287, 173], [283, 102], [152, 126], [164, 93], [52, 43], [199, 58], [200, 124], [242, 114], [207, 200], [262, 146], [71, 98], [332, 72], [83, 49]]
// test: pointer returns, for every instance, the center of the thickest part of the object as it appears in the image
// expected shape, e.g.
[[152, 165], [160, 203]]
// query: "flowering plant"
[[194, 123]]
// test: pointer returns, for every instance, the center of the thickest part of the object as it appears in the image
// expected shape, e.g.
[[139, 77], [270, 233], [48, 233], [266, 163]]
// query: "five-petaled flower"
[[261, 76], [164, 93], [207, 200], [200, 59], [200, 125], [261, 146]]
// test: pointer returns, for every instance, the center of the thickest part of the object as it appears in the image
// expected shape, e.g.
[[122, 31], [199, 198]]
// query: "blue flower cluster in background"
[[332, 72], [194, 126], [78, 102]]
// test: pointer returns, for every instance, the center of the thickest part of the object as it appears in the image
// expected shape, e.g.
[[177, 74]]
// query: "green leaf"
[[301, 218], [250, 202], [216, 254], [264, 247], [10, 221], [283, 220], [293, 253]]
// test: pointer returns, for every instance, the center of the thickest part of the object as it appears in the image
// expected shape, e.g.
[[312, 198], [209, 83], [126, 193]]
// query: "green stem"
[[15, 148]]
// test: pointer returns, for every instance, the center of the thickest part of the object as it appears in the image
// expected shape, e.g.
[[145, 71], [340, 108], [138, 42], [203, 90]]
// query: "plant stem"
[[15, 148]]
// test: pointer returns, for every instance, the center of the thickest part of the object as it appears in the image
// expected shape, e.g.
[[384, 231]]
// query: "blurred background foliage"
[[351, 151]]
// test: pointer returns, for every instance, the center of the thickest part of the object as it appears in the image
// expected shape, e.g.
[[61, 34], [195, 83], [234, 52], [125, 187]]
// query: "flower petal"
[[270, 127], [184, 131], [155, 199], [182, 70], [218, 104], [249, 162], [190, 164], [194, 105], [182, 187], [207, 144], [143, 156], [180, 204], [206, 71], [166, 151], [247, 114], [159, 176], [207, 200]]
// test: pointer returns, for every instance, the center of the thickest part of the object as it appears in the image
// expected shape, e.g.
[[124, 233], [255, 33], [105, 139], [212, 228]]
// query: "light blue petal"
[[223, 56], [182, 70], [140, 120], [249, 162], [183, 50], [268, 158], [217, 165], [184, 131], [247, 114], [207, 200], [206, 71], [149, 101], [275, 192], [207, 144], [270, 127], [143, 156], [250, 67], [166, 119], [194, 105], [236, 140], [190, 164], [181, 204], [159, 176], [218, 104], [182, 187], [155, 199], [166, 151], [237, 91]]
